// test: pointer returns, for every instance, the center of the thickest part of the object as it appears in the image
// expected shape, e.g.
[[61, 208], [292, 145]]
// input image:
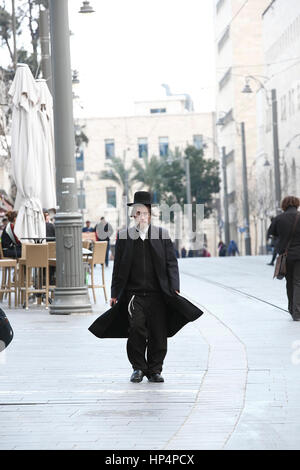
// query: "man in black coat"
[[145, 300], [282, 227], [50, 227]]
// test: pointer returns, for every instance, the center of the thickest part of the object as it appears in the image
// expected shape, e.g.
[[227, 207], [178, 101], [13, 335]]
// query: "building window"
[[111, 197], [143, 147], [225, 79], [231, 197], [219, 5], [283, 107], [109, 148], [223, 39], [292, 102], [158, 110], [163, 146], [228, 118], [198, 141], [229, 157]]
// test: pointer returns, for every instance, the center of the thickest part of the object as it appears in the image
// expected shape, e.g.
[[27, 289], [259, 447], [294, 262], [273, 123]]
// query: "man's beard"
[[141, 225]]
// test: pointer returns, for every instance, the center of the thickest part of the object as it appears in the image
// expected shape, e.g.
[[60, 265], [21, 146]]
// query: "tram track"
[[233, 289]]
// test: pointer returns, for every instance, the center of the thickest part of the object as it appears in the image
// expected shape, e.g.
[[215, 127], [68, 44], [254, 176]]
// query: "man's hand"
[[177, 291], [112, 301]]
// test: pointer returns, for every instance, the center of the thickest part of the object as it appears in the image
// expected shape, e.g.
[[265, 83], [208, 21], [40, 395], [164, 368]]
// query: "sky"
[[127, 49]]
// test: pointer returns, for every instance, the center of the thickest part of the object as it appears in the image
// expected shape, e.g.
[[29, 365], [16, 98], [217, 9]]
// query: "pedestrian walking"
[[232, 248], [50, 227], [183, 252], [11, 245], [222, 248], [104, 231], [204, 253], [286, 227], [146, 306]]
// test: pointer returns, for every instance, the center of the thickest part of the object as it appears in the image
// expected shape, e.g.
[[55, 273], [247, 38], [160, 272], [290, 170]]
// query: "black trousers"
[[147, 338], [293, 287]]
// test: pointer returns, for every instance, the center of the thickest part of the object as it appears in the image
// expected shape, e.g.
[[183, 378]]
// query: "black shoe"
[[270, 264], [295, 318], [155, 378], [137, 376]]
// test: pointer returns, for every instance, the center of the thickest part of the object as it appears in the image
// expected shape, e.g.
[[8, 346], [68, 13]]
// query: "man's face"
[[142, 216], [46, 215], [88, 224]]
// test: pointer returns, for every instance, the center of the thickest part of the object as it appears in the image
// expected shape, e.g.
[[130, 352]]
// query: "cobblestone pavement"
[[231, 378]]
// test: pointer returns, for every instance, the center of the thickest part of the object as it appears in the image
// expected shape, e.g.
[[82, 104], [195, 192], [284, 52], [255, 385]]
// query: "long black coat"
[[282, 227], [114, 322]]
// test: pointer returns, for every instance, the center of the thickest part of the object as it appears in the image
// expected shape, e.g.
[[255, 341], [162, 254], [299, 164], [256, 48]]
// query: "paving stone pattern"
[[231, 378]]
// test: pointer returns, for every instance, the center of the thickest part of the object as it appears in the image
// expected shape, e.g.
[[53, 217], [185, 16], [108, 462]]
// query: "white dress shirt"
[[143, 232]]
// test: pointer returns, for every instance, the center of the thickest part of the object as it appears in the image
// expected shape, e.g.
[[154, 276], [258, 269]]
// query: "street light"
[[241, 132], [71, 293], [186, 162], [75, 79], [273, 102], [222, 157], [86, 8]]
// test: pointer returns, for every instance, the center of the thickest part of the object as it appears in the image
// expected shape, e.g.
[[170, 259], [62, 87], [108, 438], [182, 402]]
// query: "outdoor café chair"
[[98, 257]]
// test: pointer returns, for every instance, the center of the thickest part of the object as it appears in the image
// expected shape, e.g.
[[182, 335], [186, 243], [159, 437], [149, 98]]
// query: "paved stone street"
[[232, 377]]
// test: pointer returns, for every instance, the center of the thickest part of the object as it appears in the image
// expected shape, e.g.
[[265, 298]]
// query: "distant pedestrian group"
[[232, 249]]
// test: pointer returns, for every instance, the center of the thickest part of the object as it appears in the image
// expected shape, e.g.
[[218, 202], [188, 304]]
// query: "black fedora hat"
[[141, 197]]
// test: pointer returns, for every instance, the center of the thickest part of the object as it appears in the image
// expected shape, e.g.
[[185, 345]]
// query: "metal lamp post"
[[246, 198], [222, 156], [189, 197], [240, 131], [45, 48], [273, 102], [276, 149], [220, 122], [71, 293], [226, 207]]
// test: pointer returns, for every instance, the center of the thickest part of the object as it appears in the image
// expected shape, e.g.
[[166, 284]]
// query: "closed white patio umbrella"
[[46, 153], [26, 142]]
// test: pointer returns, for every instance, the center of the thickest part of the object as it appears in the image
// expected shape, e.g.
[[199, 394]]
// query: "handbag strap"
[[292, 233]]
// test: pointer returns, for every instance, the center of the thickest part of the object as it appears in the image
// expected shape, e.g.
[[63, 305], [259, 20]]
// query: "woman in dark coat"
[[282, 227], [11, 245]]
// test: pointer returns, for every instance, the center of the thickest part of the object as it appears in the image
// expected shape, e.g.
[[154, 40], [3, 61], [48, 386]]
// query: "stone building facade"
[[239, 54], [281, 44], [158, 128]]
